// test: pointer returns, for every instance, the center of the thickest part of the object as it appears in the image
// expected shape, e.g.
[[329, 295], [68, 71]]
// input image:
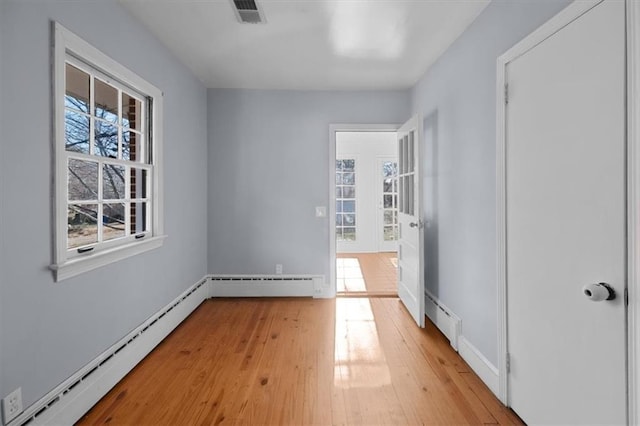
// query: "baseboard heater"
[[446, 321], [68, 402], [266, 285]]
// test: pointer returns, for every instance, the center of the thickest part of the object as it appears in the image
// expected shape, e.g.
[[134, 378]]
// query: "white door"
[[387, 190], [565, 180], [410, 239]]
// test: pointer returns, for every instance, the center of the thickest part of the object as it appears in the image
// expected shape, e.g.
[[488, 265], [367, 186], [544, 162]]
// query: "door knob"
[[413, 224], [599, 292], [418, 224]]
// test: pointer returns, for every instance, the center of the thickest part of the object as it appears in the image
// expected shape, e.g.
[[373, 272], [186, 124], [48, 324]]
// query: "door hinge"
[[506, 94], [508, 362]]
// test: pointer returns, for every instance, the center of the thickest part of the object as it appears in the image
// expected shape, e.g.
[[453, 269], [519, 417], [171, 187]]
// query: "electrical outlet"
[[12, 405], [279, 268]]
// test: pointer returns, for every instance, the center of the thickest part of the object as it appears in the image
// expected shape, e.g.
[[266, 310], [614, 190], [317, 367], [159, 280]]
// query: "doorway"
[[364, 200]]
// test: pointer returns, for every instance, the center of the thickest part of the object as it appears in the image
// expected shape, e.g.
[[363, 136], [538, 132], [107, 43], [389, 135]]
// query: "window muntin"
[[108, 151]]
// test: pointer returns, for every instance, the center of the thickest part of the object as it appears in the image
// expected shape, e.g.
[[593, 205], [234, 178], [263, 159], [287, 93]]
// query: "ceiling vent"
[[248, 12]]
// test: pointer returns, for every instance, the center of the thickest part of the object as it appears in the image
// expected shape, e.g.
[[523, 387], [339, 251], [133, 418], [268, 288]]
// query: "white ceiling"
[[308, 44]]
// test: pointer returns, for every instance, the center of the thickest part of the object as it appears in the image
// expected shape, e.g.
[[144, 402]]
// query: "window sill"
[[80, 265]]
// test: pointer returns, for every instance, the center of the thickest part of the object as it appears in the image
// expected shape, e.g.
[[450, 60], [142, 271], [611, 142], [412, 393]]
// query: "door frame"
[[333, 129], [567, 15]]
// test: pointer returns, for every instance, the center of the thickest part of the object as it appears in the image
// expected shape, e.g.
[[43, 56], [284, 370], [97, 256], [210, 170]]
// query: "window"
[[345, 200], [390, 200], [107, 147]]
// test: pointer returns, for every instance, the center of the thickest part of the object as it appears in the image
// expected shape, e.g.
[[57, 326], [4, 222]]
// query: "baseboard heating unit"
[[266, 285], [446, 321]]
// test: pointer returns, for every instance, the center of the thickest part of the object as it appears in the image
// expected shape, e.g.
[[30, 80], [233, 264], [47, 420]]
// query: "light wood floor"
[[372, 274], [301, 361]]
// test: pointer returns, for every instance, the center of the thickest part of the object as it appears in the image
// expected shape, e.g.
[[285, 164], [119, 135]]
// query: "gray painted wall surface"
[[457, 96], [50, 330], [269, 168]]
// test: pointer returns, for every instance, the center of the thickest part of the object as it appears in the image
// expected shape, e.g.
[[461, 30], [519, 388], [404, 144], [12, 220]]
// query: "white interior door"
[[410, 224], [565, 180]]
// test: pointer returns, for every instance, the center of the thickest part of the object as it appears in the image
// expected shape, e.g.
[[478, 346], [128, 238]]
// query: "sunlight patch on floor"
[[359, 360], [349, 276]]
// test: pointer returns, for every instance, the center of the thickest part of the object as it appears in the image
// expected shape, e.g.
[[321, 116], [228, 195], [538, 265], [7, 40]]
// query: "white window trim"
[[63, 267]]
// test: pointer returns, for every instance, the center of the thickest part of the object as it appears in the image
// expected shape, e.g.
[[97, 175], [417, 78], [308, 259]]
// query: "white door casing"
[[410, 222], [564, 223]]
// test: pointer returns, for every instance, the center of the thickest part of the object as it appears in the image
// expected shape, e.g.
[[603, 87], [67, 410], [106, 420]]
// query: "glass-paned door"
[[346, 199], [388, 190]]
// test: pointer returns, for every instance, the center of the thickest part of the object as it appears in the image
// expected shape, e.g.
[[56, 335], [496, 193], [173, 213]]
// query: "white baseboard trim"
[[487, 372], [268, 286], [69, 401], [446, 321], [451, 326]]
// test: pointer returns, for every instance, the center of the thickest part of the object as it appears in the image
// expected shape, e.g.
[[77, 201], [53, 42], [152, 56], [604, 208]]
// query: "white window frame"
[[68, 47]]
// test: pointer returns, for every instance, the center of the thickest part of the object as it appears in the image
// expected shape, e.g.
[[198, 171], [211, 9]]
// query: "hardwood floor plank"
[[345, 361]]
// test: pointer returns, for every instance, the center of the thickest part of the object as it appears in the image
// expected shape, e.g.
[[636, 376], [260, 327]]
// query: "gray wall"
[[269, 168], [457, 98], [50, 330]]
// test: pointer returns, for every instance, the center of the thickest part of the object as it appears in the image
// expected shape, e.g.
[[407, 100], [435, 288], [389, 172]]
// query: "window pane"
[[349, 192], [410, 195], [76, 89], [338, 165], [138, 181], [113, 182], [349, 206], [348, 165], [387, 185], [401, 155], [106, 139], [349, 179], [411, 153], [338, 178], [138, 211], [389, 234], [338, 206], [405, 154], [349, 234], [131, 112], [82, 227], [131, 145], [113, 221], [76, 131], [387, 201], [339, 219], [106, 101], [388, 217], [339, 192], [387, 169], [82, 180], [339, 236], [350, 219]]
